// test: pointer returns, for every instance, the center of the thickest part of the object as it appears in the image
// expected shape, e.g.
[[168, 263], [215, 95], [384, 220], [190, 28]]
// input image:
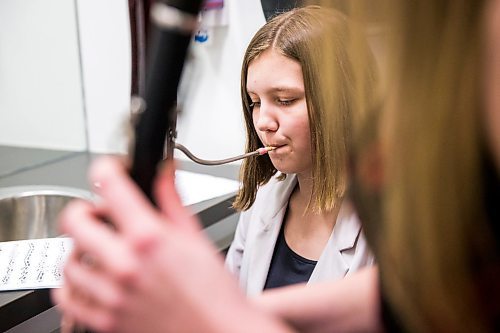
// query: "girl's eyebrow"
[[285, 89], [279, 89]]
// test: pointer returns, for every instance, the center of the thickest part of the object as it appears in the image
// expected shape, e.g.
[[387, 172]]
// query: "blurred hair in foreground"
[[423, 198]]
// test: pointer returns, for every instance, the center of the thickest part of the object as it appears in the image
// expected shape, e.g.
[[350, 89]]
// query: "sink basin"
[[29, 212]]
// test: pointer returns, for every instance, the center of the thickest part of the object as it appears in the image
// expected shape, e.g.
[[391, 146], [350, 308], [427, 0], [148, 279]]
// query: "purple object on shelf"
[[213, 4]]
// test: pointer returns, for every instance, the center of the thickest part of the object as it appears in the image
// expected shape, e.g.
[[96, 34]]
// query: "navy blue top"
[[287, 267]]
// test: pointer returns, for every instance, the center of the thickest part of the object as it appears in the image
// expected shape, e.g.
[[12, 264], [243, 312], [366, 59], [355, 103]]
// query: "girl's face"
[[276, 87]]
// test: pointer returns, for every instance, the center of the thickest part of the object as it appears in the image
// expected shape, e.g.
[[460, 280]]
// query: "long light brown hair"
[[310, 36], [430, 234], [434, 181]]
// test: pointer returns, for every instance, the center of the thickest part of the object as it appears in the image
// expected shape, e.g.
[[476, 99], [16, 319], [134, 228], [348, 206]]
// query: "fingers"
[[97, 240], [79, 310], [122, 201], [89, 279], [169, 201]]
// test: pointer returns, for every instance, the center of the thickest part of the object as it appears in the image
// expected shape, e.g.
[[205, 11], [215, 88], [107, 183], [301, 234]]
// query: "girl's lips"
[[276, 147]]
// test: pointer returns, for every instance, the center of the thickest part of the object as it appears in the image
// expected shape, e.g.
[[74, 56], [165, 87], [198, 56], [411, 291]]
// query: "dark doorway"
[[273, 7]]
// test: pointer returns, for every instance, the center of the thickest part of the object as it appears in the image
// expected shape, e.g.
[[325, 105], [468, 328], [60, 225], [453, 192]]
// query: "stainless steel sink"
[[28, 212]]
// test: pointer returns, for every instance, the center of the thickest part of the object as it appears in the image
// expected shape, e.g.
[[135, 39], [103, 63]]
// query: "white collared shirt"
[[251, 251]]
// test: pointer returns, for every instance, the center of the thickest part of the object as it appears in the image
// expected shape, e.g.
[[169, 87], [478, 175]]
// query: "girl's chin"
[[283, 168], [289, 166]]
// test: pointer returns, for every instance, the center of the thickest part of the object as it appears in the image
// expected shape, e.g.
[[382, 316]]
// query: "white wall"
[[105, 50], [211, 123], [41, 102]]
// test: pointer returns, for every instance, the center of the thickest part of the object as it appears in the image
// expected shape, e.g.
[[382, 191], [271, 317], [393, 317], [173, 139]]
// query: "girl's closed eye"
[[254, 104], [285, 101]]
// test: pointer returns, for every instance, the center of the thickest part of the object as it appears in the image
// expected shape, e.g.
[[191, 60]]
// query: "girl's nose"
[[266, 120]]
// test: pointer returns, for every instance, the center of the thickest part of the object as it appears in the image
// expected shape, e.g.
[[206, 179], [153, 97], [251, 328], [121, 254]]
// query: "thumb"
[[170, 203]]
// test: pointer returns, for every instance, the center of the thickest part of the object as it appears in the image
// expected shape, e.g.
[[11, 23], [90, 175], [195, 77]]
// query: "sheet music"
[[33, 264]]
